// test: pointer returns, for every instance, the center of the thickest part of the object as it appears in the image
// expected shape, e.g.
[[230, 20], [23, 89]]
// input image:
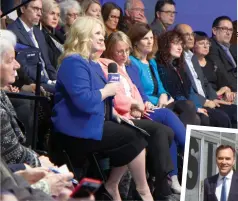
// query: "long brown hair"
[[163, 55]]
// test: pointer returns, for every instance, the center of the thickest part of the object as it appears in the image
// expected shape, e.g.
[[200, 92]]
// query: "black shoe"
[[102, 194], [171, 197]]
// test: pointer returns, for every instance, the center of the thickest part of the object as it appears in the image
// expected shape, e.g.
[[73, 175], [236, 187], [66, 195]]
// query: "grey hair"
[[127, 5], [66, 5], [8, 40]]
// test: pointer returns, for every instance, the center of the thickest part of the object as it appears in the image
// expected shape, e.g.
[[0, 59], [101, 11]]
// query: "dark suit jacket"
[[207, 88], [157, 27], [23, 38], [219, 57], [210, 188]]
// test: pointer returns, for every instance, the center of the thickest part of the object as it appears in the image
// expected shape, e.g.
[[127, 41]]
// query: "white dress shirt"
[[219, 185], [188, 58], [30, 29], [43, 72]]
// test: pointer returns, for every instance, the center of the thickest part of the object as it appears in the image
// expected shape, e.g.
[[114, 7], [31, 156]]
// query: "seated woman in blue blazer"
[[78, 113]]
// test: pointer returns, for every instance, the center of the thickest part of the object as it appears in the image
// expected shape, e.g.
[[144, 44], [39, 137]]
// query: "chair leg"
[[98, 167]]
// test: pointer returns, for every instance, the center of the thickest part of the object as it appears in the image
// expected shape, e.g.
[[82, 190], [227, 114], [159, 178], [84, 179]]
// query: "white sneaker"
[[175, 186]]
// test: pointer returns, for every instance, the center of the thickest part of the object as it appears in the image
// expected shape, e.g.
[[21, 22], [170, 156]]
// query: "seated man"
[[134, 12], [31, 36], [222, 53], [207, 95]]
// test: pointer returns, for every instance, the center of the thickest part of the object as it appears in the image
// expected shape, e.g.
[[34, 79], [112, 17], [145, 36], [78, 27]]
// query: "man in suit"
[[164, 16], [224, 185], [206, 94], [28, 34], [221, 52]]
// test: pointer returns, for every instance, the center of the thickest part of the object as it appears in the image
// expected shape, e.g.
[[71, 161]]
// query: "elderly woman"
[[112, 16], [12, 136], [54, 38], [210, 70], [12, 130], [79, 112], [70, 11], [91, 8]]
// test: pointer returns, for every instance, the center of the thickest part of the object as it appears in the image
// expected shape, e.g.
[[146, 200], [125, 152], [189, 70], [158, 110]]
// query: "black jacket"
[[219, 57]]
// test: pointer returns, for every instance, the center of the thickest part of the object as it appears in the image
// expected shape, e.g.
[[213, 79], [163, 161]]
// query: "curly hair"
[[163, 55]]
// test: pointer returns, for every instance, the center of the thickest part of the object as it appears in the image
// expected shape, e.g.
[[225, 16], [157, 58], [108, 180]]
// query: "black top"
[[175, 81], [54, 52], [214, 76], [155, 81]]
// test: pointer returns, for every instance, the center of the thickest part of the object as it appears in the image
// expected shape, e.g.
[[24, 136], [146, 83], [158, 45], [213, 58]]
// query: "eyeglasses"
[[73, 15], [188, 35], [114, 17], [169, 12], [122, 52], [142, 10], [36, 9], [225, 29], [208, 44]]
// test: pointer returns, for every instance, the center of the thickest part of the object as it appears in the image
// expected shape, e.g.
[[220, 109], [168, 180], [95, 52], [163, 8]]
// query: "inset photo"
[[210, 164]]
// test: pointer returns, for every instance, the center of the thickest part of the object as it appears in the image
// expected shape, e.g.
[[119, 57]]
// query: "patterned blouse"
[[12, 136]]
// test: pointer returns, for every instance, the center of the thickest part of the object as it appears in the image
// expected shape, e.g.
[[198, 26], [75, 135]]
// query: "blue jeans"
[[168, 118]]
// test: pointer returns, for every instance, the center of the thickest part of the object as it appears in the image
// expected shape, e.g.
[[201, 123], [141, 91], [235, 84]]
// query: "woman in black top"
[[210, 69], [54, 38]]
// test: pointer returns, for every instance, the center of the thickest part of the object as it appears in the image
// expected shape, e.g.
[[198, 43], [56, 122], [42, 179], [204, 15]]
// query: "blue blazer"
[[135, 78], [146, 79], [79, 110], [23, 38]]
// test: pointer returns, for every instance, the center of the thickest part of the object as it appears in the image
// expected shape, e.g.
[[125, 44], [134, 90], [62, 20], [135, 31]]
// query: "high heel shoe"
[[102, 194]]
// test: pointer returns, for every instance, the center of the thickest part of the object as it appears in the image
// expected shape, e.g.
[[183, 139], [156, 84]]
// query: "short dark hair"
[[217, 21], [222, 147], [200, 35], [107, 8], [160, 4], [19, 13]]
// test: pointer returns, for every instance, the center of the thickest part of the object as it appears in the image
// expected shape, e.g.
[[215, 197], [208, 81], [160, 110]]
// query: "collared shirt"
[[219, 185], [228, 53], [188, 58], [32, 36], [30, 29]]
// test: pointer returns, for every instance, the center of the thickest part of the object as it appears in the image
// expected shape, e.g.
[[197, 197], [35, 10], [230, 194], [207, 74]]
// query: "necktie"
[[228, 53], [223, 191], [43, 72]]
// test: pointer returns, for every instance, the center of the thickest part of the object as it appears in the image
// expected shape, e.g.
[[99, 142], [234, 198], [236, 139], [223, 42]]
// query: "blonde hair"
[[79, 37], [112, 40], [48, 6], [86, 4]]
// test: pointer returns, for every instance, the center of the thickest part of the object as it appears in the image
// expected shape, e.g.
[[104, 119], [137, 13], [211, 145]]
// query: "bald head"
[[188, 35]]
